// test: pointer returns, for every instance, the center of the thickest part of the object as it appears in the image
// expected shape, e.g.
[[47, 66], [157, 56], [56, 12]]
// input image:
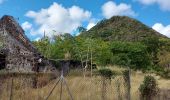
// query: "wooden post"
[[104, 85], [11, 90], [129, 84]]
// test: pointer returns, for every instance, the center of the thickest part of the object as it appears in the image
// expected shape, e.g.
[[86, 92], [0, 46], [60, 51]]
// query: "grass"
[[82, 88]]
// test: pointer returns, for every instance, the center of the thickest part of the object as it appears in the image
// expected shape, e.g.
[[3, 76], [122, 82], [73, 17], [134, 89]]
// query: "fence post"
[[127, 83], [11, 89], [119, 97], [104, 88]]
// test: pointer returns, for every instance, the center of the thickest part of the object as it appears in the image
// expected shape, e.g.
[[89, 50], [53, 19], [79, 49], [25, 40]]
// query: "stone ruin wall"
[[21, 55], [18, 58]]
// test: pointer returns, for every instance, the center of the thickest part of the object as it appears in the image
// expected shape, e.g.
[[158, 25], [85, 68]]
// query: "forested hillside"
[[121, 28], [118, 41]]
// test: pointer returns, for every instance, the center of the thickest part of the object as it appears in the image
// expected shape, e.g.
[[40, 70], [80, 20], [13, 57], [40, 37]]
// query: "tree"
[[130, 54], [63, 44], [43, 46], [102, 53], [153, 45]]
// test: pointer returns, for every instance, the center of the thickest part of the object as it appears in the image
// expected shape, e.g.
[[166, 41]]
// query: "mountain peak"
[[121, 28]]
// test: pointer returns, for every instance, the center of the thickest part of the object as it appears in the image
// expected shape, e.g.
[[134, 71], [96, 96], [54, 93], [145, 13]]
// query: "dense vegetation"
[[121, 28], [118, 41]]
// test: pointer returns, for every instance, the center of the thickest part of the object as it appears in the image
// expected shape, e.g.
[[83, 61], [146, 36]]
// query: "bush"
[[149, 88], [105, 72]]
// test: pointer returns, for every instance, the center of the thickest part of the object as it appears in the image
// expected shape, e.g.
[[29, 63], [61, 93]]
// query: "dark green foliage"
[[149, 88], [130, 54], [138, 45], [121, 28], [153, 45], [117, 41], [120, 59], [43, 46], [105, 72]]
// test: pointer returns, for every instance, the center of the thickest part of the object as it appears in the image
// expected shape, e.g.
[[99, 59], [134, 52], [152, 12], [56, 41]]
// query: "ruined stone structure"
[[17, 53]]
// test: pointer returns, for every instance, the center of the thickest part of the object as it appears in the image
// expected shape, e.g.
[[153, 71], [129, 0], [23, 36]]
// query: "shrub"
[[149, 88], [105, 72]]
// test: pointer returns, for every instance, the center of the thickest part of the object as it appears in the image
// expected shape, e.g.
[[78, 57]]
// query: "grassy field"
[[81, 88]]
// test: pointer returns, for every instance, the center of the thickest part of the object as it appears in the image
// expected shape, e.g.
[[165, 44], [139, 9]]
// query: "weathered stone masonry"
[[18, 54]]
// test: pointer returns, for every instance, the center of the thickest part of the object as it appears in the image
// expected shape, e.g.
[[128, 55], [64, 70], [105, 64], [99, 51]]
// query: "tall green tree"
[[153, 46], [130, 54]]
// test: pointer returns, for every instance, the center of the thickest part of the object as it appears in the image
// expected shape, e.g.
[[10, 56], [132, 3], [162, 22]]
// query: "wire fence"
[[72, 87]]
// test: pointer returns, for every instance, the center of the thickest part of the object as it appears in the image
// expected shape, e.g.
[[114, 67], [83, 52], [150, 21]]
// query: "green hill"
[[121, 41], [121, 28], [130, 41]]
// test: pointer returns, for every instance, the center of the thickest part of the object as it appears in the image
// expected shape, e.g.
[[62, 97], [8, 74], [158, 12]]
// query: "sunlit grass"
[[81, 88]]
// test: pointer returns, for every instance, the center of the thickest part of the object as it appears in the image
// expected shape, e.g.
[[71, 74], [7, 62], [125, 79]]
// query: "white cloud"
[[1, 1], [26, 25], [165, 30], [58, 18], [90, 25], [110, 9], [164, 4]]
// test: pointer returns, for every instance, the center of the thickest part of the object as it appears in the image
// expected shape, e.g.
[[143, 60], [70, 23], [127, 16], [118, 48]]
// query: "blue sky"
[[37, 16]]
